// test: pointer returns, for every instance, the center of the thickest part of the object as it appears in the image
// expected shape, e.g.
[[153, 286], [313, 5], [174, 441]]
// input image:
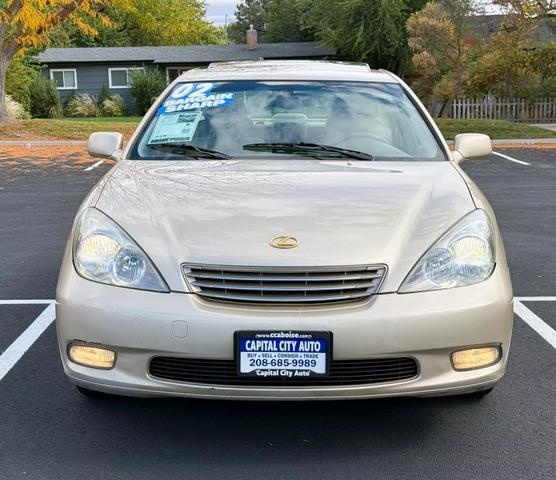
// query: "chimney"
[[251, 39]]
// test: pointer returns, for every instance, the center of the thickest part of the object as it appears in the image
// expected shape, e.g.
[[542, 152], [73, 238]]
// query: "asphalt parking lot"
[[48, 430]]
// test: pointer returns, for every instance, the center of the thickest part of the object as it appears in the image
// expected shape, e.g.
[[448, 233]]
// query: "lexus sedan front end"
[[285, 230]]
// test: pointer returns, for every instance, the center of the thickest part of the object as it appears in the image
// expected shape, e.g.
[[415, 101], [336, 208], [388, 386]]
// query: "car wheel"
[[91, 393]]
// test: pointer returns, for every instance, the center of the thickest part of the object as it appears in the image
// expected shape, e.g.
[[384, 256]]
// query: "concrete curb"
[[519, 141]]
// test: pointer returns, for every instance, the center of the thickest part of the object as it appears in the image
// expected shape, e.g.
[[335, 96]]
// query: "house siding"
[[92, 77], [92, 64]]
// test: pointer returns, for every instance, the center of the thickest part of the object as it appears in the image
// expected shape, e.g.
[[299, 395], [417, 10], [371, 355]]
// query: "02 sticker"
[[193, 96]]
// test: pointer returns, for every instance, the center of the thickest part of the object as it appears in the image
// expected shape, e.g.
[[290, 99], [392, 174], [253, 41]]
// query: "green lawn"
[[80, 128], [100, 120], [495, 129], [70, 128]]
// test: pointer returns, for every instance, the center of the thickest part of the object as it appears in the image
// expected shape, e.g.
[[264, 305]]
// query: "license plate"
[[283, 354]]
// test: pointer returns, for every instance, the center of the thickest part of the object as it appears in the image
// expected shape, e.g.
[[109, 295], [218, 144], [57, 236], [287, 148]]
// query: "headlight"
[[463, 256], [103, 252]]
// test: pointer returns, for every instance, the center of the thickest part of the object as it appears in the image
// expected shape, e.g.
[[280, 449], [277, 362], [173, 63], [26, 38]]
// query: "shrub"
[[103, 96], [18, 79], [44, 99], [146, 87], [57, 111], [82, 105], [15, 109], [114, 106], [69, 99]]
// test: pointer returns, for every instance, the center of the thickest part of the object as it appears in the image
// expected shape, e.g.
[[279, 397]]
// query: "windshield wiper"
[[311, 148], [189, 150]]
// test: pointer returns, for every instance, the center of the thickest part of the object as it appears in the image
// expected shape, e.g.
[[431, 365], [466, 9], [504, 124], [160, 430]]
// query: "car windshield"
[[261, 120]]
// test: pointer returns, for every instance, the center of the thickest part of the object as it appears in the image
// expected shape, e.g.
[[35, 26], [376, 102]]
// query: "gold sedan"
[[285, 230]]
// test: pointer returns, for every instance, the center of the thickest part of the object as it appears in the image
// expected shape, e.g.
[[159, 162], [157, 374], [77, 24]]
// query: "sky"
[[217, 9]]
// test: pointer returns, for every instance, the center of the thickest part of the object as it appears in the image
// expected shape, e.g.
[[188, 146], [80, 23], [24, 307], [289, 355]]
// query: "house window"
[[174, 72], [120, 77], [65, 79]]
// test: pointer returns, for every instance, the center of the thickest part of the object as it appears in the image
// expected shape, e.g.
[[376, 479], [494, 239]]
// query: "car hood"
[[342, 213]]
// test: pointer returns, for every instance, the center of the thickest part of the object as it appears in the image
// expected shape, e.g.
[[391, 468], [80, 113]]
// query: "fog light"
[[475, 358], [94, 357]]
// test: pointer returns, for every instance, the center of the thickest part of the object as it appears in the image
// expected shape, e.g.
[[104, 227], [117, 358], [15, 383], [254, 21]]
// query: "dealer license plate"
[[283, 354]]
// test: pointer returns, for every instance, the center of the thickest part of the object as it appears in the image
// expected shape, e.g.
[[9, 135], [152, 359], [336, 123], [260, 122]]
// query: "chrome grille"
[[284, 284]]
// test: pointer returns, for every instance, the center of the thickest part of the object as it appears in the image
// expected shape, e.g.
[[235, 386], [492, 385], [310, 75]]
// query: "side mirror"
[[106, 144], [471, 145]]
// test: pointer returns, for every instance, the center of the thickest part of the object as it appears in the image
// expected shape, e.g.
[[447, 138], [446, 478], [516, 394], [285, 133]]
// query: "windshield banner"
[[191, 96]]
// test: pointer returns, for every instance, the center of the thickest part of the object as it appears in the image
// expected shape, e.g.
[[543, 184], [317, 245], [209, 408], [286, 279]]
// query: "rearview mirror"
[[106, 144], [471, 145]]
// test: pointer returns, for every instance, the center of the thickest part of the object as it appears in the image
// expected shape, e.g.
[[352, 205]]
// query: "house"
[[87, 70]]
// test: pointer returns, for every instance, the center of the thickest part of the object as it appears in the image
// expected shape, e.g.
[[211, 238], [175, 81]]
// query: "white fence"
[[542, 110]]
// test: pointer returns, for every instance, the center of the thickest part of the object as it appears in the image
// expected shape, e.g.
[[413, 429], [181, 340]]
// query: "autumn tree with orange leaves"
[[26, 23]]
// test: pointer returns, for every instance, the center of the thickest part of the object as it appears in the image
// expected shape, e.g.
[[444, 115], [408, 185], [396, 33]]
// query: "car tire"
[[91, 393]]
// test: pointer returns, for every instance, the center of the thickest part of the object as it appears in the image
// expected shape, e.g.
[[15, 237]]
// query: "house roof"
[[185, 54]]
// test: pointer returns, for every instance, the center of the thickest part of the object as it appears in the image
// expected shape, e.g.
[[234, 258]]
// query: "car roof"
[[288, 70]]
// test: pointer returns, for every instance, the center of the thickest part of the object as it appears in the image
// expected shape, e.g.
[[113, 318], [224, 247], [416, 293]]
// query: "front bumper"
[[428, 326]]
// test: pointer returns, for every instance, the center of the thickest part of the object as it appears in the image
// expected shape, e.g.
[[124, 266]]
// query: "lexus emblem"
[[284, 242]]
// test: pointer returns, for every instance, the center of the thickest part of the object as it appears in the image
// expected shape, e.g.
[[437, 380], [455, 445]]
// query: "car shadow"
[[237, 427]]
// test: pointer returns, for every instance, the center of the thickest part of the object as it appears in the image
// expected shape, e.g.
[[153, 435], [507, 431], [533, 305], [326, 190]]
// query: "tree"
[[143, 22], [248, 12], [284, 22], [517, 61], [27, 23], [415, 5], [147, 85], [537, 8], [68, 35], [438, 36], [361, 30], [163, 22], [18, 79]]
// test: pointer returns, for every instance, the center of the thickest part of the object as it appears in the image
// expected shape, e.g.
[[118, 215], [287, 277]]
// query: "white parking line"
[[18, 348], [94, 165], [536, 299], [531, 319], [511, 159], [25, 302]]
